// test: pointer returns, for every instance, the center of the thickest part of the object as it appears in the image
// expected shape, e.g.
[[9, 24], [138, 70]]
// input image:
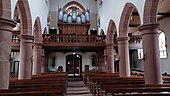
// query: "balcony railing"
[[135, 39], [135, 42], [15, 38], [74, 40]]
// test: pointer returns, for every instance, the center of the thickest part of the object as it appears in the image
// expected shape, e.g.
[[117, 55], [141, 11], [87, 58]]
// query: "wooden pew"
[[86, 74], [39, 85], [44, 91], [133, 88], [94, 79]]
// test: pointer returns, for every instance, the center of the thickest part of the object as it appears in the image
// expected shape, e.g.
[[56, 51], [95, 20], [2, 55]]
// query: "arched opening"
[[37, 48], [37, 31], [73, 4], [150, 11], [150, 41], [75, 17], [110, 41], [74, 65], [24, 16], [128, 29], [162, 44], [135, 43]]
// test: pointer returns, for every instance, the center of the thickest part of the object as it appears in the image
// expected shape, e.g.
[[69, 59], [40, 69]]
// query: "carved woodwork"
[[76, 29]]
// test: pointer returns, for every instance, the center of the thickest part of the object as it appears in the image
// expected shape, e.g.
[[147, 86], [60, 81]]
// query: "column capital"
[[38, 44], [123, 38], [28, 37], [152, 27], [6, 24]]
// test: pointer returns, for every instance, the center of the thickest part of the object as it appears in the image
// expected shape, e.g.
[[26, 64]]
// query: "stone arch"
[[76, 3], [150, 11], [123, 46], [109, 46], [37, 49], [125, 19], [37, 31], [26, 39], [25, 16], [110, 32]]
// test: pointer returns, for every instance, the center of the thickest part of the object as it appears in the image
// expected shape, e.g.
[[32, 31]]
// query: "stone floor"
[[77, 88]]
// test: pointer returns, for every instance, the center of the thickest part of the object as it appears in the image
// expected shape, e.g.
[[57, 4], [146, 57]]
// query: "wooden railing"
[[135, 39], [135, 42], [79, 40], [15, 38]]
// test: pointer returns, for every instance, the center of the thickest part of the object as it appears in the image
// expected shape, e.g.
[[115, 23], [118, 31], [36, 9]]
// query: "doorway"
[[74, 65]]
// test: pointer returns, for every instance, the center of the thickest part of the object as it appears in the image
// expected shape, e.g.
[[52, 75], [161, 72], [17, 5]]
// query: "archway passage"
[[110, 43], [150, 33], [74, 65], [25, 66], [37, 49]]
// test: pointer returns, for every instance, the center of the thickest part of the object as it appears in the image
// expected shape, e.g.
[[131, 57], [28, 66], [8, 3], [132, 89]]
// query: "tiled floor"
[[77, 88]]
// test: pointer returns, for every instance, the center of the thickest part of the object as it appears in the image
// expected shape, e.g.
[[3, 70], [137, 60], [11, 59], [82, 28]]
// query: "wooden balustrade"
[[15, 38], [74, 39], [135, 39]]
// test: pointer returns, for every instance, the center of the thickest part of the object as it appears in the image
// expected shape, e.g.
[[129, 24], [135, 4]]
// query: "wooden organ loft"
[[73, 23]]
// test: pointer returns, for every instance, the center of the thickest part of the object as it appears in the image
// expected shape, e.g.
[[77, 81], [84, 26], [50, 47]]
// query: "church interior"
[[84, 47]]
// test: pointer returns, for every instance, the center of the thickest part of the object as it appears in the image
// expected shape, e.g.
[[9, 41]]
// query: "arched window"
[[162, 44]]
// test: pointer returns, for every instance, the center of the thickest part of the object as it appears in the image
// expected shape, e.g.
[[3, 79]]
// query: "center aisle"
[[77, 88]]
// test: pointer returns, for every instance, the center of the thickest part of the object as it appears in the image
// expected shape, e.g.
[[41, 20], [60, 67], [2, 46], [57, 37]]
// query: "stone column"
[[5, 49], [37, 53], [110, 58], [124, 64], [25, 66], [101, 61], [150, 43], [6, 25], [44, 68]]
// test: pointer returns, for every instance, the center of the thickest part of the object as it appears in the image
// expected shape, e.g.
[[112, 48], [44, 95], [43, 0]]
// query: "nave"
[[91, 84], [77, 88]]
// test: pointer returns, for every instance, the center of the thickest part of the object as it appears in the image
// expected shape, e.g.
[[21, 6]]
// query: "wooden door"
[[74, 65]]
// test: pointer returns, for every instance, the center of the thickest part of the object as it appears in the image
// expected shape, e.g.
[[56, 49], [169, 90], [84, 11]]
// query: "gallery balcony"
[[73, 40], [56, 41]]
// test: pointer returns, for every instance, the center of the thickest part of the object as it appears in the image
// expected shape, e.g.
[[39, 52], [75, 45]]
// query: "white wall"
[[164, 25], [112, 9], [61, 59], [85, 3], [38, 8]]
